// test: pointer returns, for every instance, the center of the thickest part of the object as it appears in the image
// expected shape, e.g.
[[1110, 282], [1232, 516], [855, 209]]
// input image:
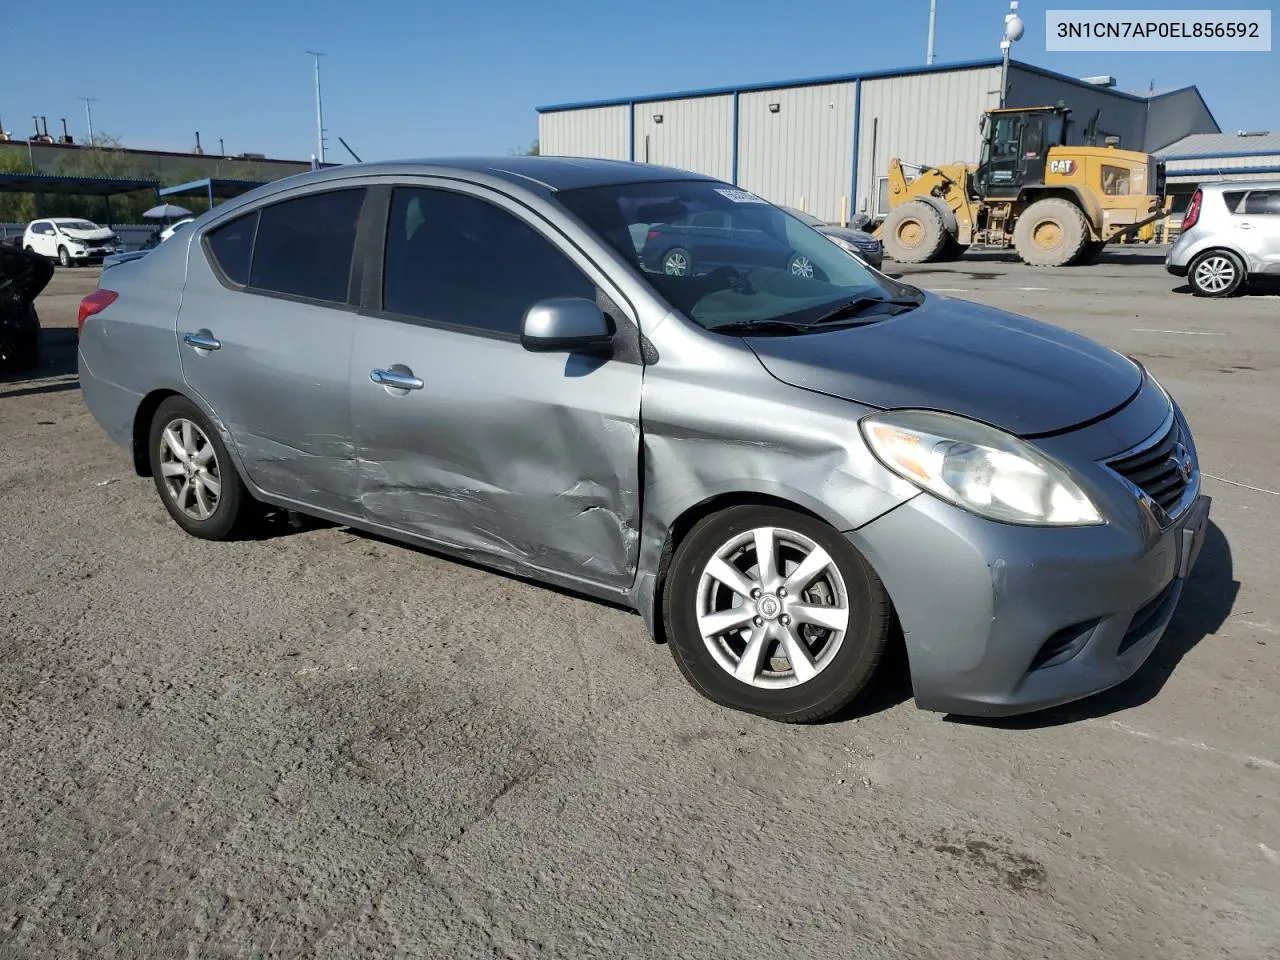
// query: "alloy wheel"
[[676, 264], [190, 470], [1215, 274], [772, 608], [802, 267]]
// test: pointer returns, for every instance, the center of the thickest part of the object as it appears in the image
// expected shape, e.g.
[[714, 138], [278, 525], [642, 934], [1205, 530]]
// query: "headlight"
[[987, 471]]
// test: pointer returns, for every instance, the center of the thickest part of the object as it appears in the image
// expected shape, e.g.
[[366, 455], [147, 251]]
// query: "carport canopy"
[[41, 184], [211, 188]]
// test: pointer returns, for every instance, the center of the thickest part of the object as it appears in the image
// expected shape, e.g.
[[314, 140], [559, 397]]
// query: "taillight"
[[1193, 211], [95, 302], [652, 235]]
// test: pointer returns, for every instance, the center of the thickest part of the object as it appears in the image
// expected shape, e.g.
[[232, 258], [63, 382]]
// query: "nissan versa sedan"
[[778, 471]]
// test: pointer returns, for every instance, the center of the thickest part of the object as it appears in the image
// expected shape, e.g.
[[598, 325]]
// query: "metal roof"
[[76, 186], [211, 187], [851, 77], [1203, 146]]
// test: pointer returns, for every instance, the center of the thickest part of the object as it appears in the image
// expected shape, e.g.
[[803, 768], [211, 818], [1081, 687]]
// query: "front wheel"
[[772, 612], [677, 262], [1216, 273], [64, 258], [193, 473], [800, 266]]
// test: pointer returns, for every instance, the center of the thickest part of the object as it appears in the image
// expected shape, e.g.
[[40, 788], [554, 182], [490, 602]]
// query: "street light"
[[1013, 30]]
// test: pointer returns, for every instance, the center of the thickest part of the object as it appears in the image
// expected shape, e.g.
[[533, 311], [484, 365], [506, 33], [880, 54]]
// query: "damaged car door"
[[525, 456], [264, 333]]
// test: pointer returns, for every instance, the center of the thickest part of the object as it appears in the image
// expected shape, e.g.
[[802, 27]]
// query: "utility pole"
[[1013, 30], [933, 18], [88, 115], [319, 108]]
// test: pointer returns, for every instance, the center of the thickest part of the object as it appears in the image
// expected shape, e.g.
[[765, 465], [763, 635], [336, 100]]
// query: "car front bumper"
[[1002, 620]]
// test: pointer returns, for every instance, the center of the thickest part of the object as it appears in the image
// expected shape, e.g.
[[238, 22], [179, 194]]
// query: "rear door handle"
[[392, 378], [202, 340], [1245, 226]]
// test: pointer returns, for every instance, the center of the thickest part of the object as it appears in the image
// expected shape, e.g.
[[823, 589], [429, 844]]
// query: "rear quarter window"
[[1232, 199], [1263, 201], [304, 247], [230, 247]]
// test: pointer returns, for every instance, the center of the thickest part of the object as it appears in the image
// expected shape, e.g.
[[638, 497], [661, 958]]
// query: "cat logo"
[[1064, 167]]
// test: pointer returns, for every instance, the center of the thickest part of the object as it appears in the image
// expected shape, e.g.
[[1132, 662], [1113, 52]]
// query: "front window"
[[722, 256]]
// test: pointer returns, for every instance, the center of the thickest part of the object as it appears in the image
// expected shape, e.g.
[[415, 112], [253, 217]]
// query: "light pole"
[[1013, 29], [933, 17], [319, 108], [88, 115]]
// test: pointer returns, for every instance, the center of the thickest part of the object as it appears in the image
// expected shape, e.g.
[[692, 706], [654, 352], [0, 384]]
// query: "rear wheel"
[[1216, 273], [800, 266], [774, 613], [194, 475], [1051, 233], [914, 233], [677, 262]]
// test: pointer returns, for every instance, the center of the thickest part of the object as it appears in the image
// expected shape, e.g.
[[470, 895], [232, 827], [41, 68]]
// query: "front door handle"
[[202, 340], [394, 378]]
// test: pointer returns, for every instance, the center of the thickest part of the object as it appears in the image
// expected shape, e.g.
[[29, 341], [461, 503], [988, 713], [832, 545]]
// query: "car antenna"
[[349, 150]]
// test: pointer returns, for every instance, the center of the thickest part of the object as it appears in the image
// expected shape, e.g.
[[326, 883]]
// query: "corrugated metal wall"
[[802, 152], [695, 134], [1120, 116], [927, 118], [590, 132]]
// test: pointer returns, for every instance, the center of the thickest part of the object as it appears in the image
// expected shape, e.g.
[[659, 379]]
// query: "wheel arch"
[[678, 529], [146, 411]]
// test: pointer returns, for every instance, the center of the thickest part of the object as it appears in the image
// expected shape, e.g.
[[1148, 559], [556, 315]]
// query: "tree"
[[535, 150], [15, 207]]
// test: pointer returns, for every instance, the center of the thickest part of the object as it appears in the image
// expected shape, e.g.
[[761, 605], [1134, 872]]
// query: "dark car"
[[850, 239], [697, 242], [22, 277]]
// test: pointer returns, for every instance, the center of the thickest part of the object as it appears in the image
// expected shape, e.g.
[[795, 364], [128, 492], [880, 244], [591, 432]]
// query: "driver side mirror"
[[570, 324]]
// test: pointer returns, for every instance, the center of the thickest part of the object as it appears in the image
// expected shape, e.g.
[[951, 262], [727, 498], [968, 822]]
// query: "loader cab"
[[1015, 149]]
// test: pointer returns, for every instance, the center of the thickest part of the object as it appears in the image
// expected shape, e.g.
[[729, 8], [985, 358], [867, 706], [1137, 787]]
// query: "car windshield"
[[723, 256], [803, 217], [77, 225]]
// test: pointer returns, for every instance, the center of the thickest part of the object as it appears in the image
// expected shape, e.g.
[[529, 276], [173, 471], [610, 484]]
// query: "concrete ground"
[[322, 744]]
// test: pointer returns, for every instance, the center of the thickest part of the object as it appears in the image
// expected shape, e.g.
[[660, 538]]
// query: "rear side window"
[[1263, 201], [231, 246], [1232, 199], [304, 247]]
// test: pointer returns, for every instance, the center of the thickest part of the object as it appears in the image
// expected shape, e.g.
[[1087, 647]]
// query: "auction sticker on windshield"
[[739, 196]]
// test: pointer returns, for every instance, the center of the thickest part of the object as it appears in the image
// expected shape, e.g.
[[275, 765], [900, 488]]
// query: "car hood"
[[102, 233], [1018, 374], [22, 276]]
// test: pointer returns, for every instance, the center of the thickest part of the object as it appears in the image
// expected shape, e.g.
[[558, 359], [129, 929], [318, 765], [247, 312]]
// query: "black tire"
[[1051, 233], [845, 672], [232, 512], [1216, 273], [64, 258], [914, 233], [672, 258]]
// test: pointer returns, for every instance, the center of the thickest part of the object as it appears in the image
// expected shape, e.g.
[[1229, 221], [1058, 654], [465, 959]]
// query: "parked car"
[[69, 240], [174, 227], [1230, 234], [22, 278], [699, 241], [857, 242], [773, 469]]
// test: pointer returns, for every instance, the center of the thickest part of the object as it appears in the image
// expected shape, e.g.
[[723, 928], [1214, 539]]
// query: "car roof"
[[1239, 184], [549, 173]]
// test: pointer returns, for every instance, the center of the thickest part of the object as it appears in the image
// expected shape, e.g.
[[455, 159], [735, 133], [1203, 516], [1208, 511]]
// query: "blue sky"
[[433, 78]]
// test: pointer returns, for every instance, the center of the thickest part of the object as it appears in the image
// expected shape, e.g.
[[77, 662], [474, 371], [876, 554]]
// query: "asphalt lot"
[[322, 744]]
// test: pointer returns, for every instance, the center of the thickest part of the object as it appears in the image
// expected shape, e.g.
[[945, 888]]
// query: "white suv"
[[69, 240]]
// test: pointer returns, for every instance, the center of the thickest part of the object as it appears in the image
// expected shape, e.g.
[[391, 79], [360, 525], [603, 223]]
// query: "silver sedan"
[[783, 472]]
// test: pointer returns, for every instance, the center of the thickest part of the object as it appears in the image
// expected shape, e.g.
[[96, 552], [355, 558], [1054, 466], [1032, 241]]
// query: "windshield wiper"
[[761, 326], [851, 308]]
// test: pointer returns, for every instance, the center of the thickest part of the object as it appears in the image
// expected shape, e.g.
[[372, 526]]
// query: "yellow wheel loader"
[[1054, 204]]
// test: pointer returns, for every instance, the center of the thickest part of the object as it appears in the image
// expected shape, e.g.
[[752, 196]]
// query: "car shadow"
[[1207, 600], [1257, 287], [57, 363]]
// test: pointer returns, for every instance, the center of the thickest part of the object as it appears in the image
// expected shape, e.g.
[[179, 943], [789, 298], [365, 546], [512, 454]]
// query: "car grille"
[[1162, 469]]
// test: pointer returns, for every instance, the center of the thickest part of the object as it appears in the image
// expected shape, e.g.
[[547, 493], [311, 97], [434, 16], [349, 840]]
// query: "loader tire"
[[1051, 233], [914, 233]]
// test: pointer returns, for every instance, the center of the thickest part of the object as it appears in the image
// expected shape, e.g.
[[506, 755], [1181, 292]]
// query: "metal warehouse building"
[[1219, 156], [824, 144]]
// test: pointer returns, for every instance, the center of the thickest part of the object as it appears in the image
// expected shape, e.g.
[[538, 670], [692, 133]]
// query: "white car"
[[69, 240], [173, 228]]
